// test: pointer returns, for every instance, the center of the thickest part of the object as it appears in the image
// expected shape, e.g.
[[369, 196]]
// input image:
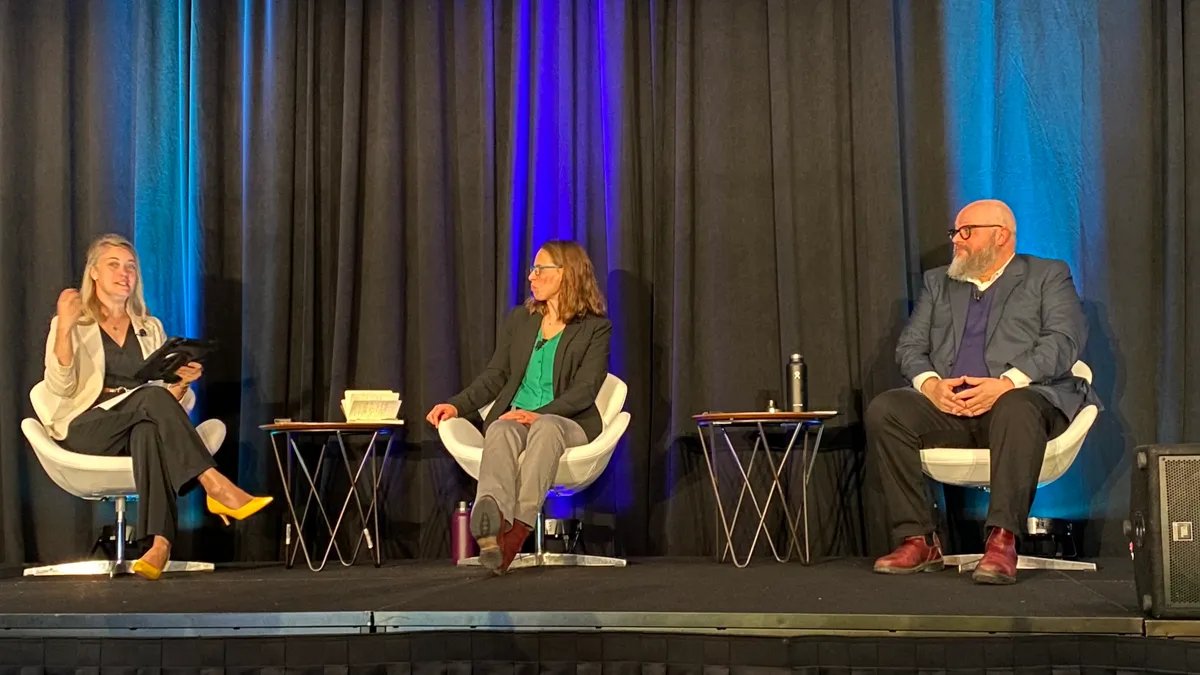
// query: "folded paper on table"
[[370, 405]]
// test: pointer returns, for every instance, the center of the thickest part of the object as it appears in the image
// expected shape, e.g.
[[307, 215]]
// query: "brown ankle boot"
[[511, 543], [999, 563], [914, 554]]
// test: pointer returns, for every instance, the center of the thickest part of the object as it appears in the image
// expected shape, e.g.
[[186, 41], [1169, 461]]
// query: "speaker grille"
[[1180, 498]]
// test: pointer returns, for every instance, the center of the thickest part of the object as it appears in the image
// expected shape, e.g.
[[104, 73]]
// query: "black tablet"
[[175, 353]]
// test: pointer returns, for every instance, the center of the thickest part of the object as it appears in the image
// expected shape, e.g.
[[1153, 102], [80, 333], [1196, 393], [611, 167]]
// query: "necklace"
[[550, 328], [115, 327]]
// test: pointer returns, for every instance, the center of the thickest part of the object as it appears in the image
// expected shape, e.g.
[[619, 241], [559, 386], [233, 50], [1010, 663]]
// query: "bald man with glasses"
[[988, 349]]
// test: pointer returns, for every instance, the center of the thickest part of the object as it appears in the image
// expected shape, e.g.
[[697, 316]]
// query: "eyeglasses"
[[537, 270], [967, 230]]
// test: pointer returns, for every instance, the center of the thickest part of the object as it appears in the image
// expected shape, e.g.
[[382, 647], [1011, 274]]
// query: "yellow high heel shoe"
[[252, 507], [145, 570]]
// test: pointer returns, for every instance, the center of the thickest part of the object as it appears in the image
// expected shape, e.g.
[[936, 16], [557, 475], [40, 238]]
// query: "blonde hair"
[[579, 294], [135, 305]]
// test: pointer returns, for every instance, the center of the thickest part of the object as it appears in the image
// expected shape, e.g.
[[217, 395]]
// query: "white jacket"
[[67, 391]]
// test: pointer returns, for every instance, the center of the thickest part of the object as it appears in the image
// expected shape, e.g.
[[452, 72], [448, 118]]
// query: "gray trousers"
[[519, 487]]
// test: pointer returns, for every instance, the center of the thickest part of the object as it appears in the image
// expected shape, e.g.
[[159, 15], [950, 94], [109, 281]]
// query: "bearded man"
[[988, 349]]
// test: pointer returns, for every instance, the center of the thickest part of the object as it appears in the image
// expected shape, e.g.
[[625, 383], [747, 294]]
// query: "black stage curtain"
[[359, 194]]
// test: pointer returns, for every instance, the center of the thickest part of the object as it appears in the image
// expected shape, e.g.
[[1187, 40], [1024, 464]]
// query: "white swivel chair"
[[579, 467], [102, 478], [971, 467]]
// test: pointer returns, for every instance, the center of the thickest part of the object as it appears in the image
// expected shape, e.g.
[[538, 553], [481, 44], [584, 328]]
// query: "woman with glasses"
[[92, 403], [551, 359]]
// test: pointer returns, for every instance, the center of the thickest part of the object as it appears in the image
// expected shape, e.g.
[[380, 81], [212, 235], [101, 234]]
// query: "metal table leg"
[[710, 458], [808, 465], [729, 524], [776, 472], [808, 460], [741, 493], [722, 521], [313, 495], [372, 510], [760, 509]]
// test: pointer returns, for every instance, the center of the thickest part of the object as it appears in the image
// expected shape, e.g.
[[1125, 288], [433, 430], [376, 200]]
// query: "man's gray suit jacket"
[[1036, 325]]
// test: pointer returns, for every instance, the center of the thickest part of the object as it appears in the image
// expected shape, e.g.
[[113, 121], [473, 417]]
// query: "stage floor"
[[655, 594]]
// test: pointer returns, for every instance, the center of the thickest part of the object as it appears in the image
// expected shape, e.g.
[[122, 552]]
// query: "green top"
[[537, 387]]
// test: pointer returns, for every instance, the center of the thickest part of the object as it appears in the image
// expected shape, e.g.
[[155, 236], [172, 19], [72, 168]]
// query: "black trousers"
[[902, 421], [150, 426]]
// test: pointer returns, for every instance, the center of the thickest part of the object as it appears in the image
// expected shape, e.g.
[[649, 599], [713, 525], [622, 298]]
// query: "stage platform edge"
[[180, 624], [689, 623]]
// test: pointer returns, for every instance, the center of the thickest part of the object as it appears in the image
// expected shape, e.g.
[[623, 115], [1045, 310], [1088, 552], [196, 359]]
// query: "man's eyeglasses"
[[966, 230], [537, 270]]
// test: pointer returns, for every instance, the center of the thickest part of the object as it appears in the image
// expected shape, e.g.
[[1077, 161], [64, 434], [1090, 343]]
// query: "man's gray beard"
[[972, 265]]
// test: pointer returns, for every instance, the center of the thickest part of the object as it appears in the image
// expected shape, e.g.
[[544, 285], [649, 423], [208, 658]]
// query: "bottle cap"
[[796, 357], [462, 506]]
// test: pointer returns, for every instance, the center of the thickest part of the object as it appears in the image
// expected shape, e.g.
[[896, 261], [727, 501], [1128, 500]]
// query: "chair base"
[[110, 568], [968, 562], [553, 560]]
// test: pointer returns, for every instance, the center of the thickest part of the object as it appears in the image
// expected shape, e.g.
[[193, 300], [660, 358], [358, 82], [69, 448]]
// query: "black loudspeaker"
[[1164, 511]]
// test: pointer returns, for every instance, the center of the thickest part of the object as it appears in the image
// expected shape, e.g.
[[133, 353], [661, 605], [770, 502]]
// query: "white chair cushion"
[[971, 467], [579, 466], [96, 476]]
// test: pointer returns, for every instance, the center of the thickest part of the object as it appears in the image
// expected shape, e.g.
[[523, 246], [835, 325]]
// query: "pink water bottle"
[[462, 544]]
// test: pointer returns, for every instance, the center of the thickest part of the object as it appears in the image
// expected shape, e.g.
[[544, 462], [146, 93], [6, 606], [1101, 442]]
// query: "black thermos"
[[797, 384]]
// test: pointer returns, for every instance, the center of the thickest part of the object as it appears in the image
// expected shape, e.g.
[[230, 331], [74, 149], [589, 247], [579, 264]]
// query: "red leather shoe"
[[999, 564], [511, 543], [913, 555]]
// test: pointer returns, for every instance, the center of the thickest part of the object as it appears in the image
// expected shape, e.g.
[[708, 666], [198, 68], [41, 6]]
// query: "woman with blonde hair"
[[550, 361], [91, 402]]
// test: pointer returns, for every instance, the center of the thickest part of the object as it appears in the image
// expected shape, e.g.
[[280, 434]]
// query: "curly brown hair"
[[579, 294]]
